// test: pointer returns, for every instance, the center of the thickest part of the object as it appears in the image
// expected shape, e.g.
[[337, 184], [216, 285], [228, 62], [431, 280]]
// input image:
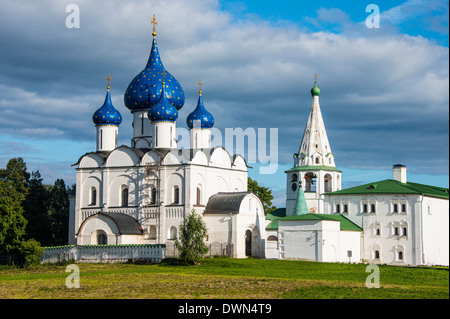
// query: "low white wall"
[[104, 253]]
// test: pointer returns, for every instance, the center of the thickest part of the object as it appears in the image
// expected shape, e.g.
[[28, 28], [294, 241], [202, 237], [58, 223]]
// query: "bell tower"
[[314, 164]]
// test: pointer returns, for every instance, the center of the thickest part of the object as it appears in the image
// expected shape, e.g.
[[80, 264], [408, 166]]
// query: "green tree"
[[264, 194], [58, 212], [36, 210], [192, 234], [13, 190]]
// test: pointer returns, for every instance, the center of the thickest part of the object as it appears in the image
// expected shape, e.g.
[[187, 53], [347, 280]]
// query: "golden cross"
[[200, 85], [315, 77], [154, 22], [108, 79], [164, 75]]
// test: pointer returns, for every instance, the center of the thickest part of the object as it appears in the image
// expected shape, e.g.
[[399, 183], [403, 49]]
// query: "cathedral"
[[139, 194]]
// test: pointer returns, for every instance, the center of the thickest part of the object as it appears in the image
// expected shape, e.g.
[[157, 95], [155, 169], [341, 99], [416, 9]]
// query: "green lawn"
[[225, 278]]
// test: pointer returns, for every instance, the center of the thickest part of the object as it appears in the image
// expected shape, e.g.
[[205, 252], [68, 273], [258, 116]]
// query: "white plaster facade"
[[160, 188], [416, 235], [318, 240], [244, 227]]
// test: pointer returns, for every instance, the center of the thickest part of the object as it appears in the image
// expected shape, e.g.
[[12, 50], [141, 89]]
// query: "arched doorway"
[[248, 243]]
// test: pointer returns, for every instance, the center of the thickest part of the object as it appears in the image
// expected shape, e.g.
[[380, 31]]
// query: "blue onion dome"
[[144, 90], [163, 110], [200, 113], [107, 113]]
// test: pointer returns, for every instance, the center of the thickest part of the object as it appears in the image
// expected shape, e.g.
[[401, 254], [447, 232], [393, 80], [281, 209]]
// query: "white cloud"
[[256, 74]]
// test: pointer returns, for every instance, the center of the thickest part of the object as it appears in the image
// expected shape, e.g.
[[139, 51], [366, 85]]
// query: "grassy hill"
[[225, 278]]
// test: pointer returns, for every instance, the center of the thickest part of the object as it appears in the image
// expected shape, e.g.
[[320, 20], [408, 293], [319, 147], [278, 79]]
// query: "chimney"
[[400, 173]]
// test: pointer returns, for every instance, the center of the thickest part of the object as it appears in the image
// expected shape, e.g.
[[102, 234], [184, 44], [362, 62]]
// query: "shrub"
[[192, 233], [31, 252]]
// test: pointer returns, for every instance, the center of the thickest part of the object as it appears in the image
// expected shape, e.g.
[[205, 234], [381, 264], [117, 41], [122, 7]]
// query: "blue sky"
[[425, 18], [384, 91]]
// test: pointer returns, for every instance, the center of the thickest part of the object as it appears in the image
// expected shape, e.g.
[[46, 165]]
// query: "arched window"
[[176, 195], [272, 238], [153, 196], [327, 183], [310, 182], [93, 200], [345, 210], [404, 231], [294, 178], [377, 229], [102, 239], [124, 196], [173, 233], [199, 194], [152, 232], [376, 254], [403, 208]]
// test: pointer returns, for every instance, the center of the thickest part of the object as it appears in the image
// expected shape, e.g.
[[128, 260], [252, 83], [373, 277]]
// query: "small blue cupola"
[[107, 113], [200, 114]]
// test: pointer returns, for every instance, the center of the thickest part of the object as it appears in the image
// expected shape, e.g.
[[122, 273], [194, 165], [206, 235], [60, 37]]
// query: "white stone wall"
[[317, 240], [425, 233], [435, 237], [232, 228], [210, 170], [104, 253], [106, 137]]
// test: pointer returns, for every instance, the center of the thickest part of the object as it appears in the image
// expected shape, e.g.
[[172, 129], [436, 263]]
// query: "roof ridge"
[[391, 186]]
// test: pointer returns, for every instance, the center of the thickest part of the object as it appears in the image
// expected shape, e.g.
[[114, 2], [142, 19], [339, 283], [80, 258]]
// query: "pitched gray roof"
[[222, 203]]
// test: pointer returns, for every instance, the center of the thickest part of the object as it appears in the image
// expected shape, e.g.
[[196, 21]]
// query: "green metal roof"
[[345, 223], [313, 168], [280, 214], [273, 225], [390, 186], [275, 214]]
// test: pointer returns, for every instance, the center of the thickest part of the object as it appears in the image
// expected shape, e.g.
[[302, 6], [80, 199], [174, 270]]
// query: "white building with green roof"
[[404, 223], [393, 221]]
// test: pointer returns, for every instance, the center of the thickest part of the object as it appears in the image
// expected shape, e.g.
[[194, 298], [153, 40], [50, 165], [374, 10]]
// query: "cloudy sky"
[[384, 91]]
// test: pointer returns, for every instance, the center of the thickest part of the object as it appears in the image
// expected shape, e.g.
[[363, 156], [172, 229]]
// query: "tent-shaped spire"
[[315, 148], [300, 206]]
